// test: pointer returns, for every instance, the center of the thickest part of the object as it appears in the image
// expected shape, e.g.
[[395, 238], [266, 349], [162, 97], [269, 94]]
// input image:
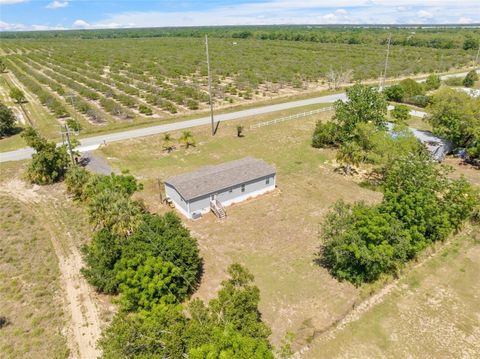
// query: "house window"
[[212, 197], [243, 188], [267, 181], [230, 190]]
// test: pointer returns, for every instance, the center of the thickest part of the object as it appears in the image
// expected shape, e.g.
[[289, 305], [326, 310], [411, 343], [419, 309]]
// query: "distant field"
[[104, 83], [30, 293]]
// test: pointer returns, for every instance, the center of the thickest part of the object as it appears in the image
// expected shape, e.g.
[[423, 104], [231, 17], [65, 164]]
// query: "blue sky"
[[68, 14]]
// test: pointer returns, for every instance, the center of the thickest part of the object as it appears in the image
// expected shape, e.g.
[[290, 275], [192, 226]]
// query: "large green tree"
[[165, 237], [361, 242], [365, 104], [455, 116], [100, 256], [49, 162], [147, 281], [229, 326]]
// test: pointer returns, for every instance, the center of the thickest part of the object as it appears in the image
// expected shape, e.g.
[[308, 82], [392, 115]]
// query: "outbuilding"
[[215, 187]]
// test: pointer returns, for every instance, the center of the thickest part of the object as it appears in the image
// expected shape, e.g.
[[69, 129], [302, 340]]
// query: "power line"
[[386, 62], [65, 132], [476, 58]]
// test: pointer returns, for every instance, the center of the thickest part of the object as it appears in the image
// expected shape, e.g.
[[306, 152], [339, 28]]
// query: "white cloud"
[[424, 14], [308, 12], [10, 2], [6, 26], [81, 24], [57, 4], [465, 20]]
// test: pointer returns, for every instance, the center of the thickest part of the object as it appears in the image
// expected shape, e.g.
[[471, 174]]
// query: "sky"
[[92, 14]]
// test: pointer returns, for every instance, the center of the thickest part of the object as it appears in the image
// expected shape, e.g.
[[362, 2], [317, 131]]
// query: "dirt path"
[[80, 306]]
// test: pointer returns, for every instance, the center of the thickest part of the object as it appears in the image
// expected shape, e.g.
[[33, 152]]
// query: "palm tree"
[[168, 143], [350, 154], [187, 139]]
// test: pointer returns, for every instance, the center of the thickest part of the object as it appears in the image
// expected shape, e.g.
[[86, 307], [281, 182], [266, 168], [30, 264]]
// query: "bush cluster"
[[421, 205]]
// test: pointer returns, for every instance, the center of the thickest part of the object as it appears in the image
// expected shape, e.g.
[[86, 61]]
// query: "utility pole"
[[386, 63], [209, 85], [66, 132]]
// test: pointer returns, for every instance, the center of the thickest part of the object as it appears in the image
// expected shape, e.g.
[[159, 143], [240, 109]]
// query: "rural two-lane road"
[[92, 143]]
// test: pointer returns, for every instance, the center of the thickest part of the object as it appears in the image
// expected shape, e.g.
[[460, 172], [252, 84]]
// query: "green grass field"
[[29, 286]]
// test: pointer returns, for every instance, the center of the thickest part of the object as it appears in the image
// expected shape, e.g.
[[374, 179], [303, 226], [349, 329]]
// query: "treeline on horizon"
[[448, 37]]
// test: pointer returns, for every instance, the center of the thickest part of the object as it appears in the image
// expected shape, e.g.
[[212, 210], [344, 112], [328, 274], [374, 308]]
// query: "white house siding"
[[234, 194], [177, 199]]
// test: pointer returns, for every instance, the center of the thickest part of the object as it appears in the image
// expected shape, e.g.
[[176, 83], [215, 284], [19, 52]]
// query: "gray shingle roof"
[[211, 179]]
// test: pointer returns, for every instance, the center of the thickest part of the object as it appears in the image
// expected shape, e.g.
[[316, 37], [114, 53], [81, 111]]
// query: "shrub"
[[325, 135], [192, 104], [420, 100], [17, 95], [394, 93], [240, 129], [401, 113], [432, 82], [76, 180], [454, 81], [73, 124], [420, 205], [470, 79], [145, 110], [411, 88]]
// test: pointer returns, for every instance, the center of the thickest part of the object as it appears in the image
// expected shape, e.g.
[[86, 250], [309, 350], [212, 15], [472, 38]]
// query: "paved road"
[[92, 143]]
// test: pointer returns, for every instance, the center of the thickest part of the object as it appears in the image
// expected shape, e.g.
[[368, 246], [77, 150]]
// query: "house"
[[436, 146], [214, 187]]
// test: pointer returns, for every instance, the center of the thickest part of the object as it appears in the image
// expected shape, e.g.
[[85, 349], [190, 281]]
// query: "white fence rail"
[[291, 117]]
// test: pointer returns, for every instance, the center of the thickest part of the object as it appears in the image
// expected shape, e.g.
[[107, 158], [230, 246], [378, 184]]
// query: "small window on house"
[[212, 197], [267, 181], [243, 188], [230, 190]]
